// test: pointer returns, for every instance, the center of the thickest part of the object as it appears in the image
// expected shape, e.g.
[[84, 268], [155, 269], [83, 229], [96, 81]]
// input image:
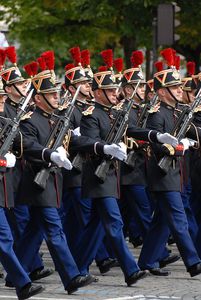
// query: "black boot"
[[78, 282], [40, 273], [135, 277], [194, 270], [29, 290]]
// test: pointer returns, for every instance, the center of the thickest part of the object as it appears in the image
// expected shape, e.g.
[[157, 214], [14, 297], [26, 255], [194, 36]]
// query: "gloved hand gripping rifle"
[[180, 129], [115, 134], [10, 129], [55, 140]]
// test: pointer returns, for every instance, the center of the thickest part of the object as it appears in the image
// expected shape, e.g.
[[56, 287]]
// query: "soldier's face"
[[13, 92], [111, 95], [176, 91], [2, 102], [53, 99], [188, 97], [141, 91], [84, 89]]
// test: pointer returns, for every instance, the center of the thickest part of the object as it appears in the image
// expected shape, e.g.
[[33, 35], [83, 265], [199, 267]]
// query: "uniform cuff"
[[98, 148], [46, 154], [152, 136]]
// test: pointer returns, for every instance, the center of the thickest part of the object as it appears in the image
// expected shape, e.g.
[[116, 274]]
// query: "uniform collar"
[[103, 107], [80, 103], [12, 103], [163, 104], [43, 113]]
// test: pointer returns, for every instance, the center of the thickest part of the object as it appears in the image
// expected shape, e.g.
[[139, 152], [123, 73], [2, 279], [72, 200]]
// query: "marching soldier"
[[75, 77], [20, 279], [16, 88], [133, 177], [169, 213], [96, 124], [44, 203]]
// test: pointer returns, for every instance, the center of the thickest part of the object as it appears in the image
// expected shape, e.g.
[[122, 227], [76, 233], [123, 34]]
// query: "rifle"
[[10, 129], [78, 159], [115, 134], [142, 120], [179, 130], [55, 140]]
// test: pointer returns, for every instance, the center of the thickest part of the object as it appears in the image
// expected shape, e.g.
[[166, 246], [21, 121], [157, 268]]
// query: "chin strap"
[[140, 98], [18, 91], [189, 101], [104, 92], [48, 103], [169, 91]]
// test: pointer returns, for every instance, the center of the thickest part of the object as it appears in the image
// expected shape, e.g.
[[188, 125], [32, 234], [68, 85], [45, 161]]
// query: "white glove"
[[186, 143], [67, 164], [166, 138], [76, 131], [58, 156], [10, 159], [116, 151]]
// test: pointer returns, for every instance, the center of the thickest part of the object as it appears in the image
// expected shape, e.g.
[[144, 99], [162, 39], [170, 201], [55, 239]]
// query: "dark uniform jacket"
[[195, 159], [73, 178], [36, 131], [97, 125], [11, 112], [6, 184], [136, 175], [163, 120]]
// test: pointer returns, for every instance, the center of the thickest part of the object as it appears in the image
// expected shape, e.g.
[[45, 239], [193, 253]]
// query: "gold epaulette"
[[155, 108], [197, 109], [118, 106], [88, 111], [27, 116]]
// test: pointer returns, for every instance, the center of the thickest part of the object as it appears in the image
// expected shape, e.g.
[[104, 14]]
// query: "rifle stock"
[[10, 130], [115, 135], [179, 131], [57, 135]]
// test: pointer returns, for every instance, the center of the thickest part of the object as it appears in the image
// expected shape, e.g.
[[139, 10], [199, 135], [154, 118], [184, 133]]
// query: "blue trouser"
[[22, 217], [169, 214], [107, 210], [192, 224], [8, 258], [139, 206], [48, 220], [77, 215]]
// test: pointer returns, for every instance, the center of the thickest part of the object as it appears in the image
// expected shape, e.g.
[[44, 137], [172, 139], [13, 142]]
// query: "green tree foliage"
[[40, 25]]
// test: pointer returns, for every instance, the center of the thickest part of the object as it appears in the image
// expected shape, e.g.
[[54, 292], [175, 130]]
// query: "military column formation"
[[86, 162]]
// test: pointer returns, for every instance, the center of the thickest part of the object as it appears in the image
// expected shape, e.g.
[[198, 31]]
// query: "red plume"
[[31, 68], [107, 56], [69, 66], [177, 61], [41, 63], [2, 57], [137, 58], [11, 54], [168, 54], [190, 67], [119, 64], [76, 55], [48, 56], [102, 69], [159, 66], [85, 56]]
